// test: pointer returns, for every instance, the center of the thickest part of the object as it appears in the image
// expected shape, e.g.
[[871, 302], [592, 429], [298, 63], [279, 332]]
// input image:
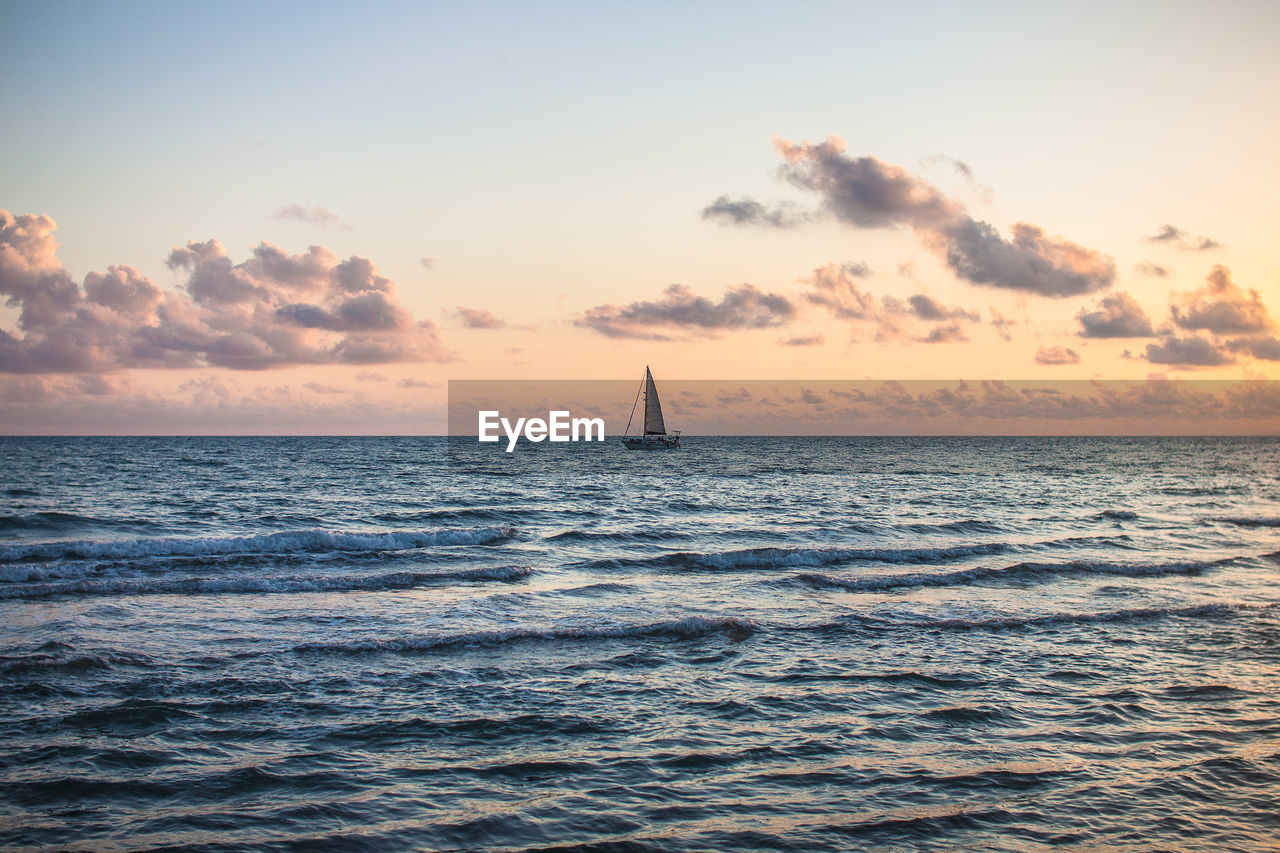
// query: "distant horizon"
[[688, 437]]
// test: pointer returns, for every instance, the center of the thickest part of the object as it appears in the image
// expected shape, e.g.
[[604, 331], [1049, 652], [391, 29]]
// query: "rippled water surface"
[[809, 644]]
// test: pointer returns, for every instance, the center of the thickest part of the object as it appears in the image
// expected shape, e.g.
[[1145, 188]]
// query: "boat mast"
[[645, 383], [634, 402]]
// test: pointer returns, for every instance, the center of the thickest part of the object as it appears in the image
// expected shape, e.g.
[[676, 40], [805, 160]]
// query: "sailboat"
[[654, 436]]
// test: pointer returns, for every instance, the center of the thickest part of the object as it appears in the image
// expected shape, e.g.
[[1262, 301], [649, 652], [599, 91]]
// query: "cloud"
[[274, 309], [1221, 307], [321, 388], [1266, 349], [1032, 261], [1057, 355], [801, 341], [732, 398], [835, 288], [103, 385], [1194, 351], [678, 309], [205, 404], [944, 334], [1142, 404], [747, 211], [416, 383], [927, 308], [1167, 234], [807, 395], [1116, 316], [1153, 269], [1174, 236], [427, 262], [863, 191], [316, 213], [868, 193], [961, 167], [367, 312], [478, 318], [1002, 324]]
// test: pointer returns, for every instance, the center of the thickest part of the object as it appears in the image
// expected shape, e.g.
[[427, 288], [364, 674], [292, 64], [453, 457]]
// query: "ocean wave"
[[748, 558], [287, 541], [455, 514], [1136, 614], [1017, 572], [21, 493], [1204, 491], [968, 525], [268, 584], [689, 627], [651, 535], [52, 521], [43, 663], [1251, 521], [1118, 514]]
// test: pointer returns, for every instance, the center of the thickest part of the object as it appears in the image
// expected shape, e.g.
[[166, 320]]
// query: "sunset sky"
[[309, 217]]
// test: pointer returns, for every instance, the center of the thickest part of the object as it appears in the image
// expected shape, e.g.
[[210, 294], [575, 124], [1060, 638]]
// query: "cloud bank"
[[274, 309]]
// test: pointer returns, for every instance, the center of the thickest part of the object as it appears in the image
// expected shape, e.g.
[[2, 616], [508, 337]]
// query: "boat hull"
[[652, 442]]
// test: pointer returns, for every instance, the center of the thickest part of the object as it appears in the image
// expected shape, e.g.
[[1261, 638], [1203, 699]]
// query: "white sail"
[[653, 424]]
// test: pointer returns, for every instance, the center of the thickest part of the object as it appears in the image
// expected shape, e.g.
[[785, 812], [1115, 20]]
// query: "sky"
[[309, 218]]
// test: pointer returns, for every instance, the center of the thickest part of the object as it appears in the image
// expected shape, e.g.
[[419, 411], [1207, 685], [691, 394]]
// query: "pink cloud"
[[1057, 355], [479, 318], [273, 309]]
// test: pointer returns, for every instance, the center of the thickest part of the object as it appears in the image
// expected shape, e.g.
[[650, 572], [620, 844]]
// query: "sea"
[[813, 644]]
